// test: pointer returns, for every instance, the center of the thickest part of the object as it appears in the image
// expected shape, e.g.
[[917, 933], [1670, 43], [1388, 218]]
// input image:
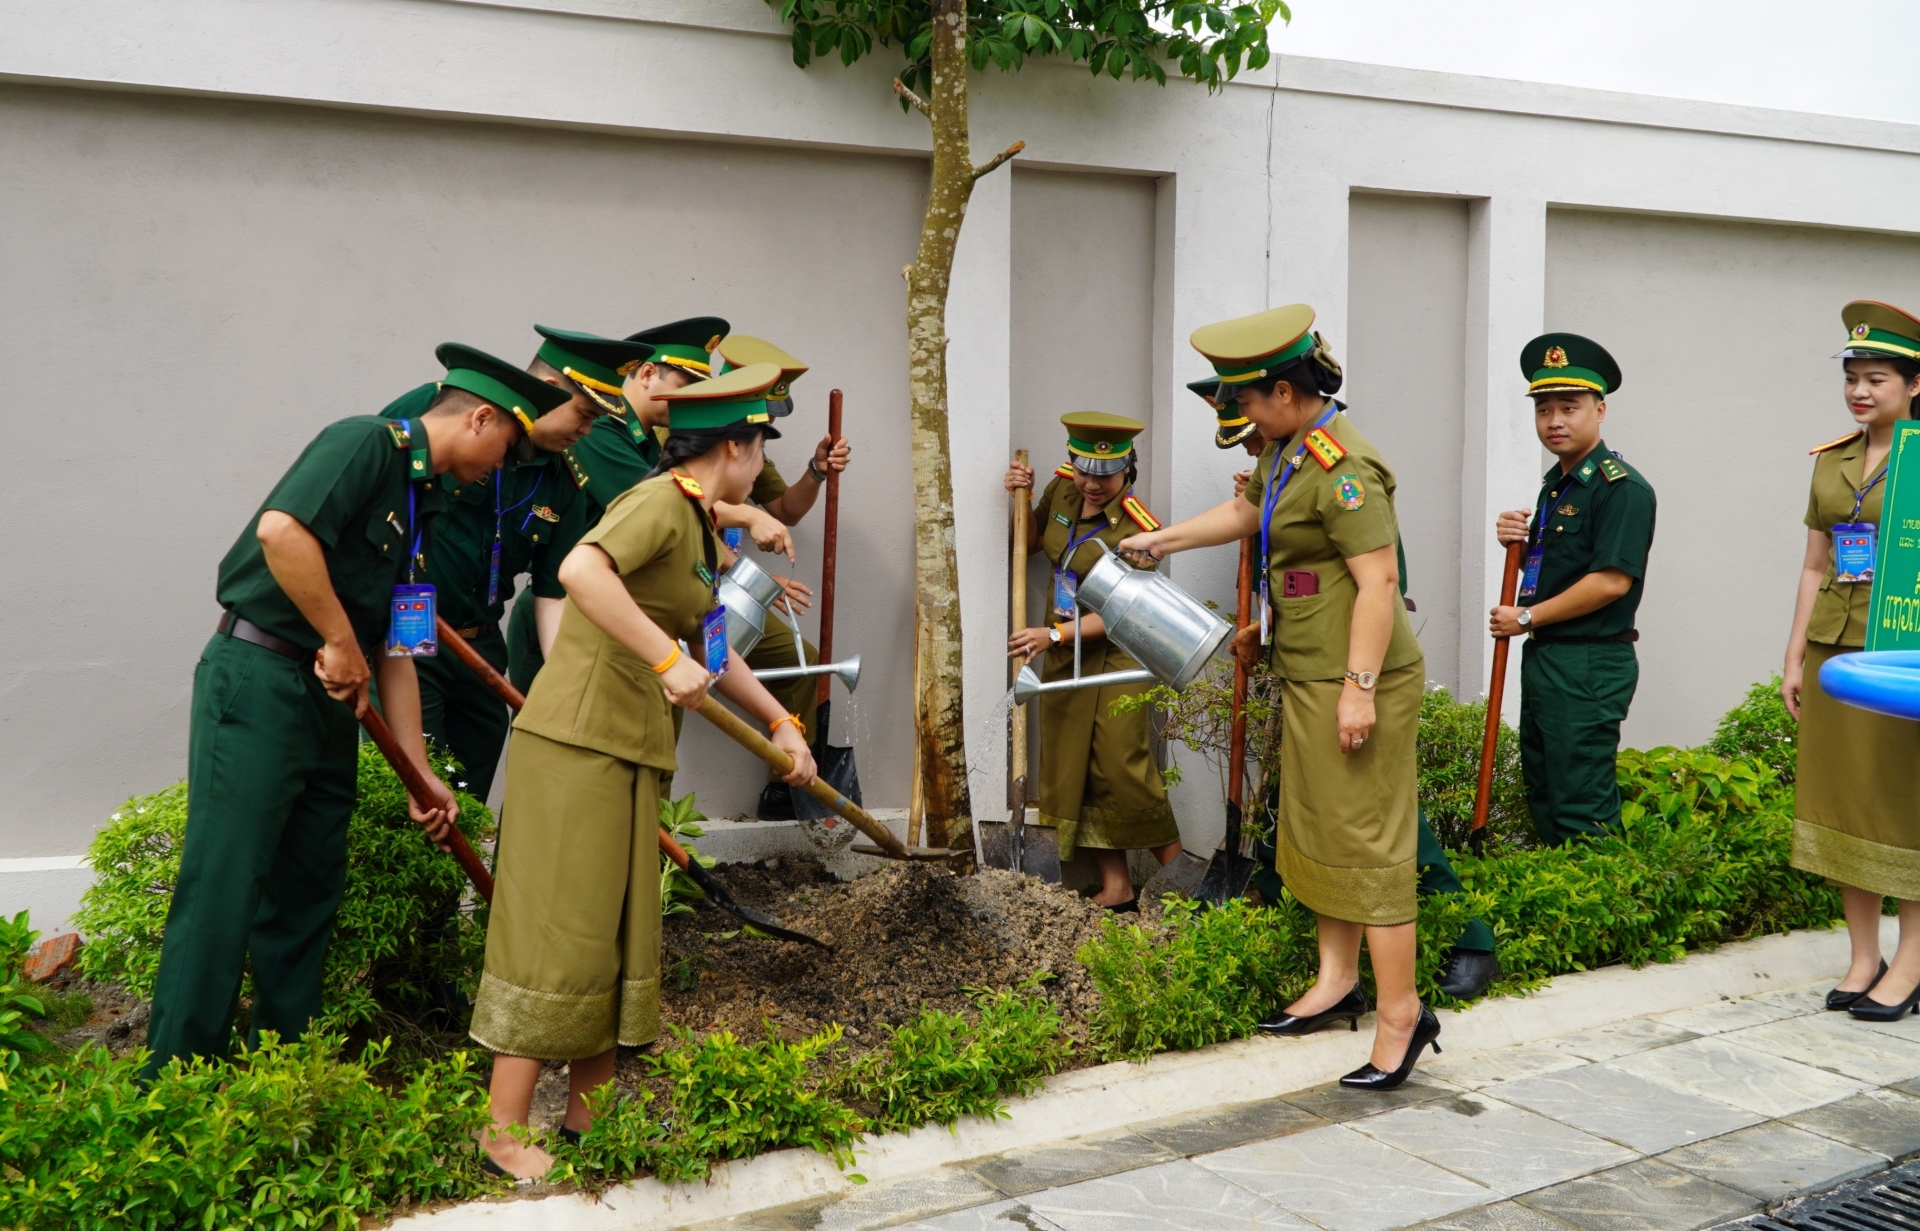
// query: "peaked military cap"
[[1250, 348], [1878, 330], [685, 344], [739, 396], [1100, 443], [1234, 427], [598, 365], [1561, 362], [520, 393], [739, 349]]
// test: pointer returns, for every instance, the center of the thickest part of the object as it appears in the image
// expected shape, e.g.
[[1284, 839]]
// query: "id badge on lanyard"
[[1530, 572], [1853, 550], [713, 636], [412, 629], [1066, 591]]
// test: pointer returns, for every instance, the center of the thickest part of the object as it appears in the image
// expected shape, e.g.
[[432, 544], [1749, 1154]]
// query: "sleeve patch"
[[1065, 471], [1138, 511], [1349, 493], [1612, 469], [1325, 449], [1849, 438]]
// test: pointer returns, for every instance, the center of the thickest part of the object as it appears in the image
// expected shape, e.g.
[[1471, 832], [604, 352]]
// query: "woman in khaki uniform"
[[1857, 789], [1351, 670], [573, 944], [1099, 787]]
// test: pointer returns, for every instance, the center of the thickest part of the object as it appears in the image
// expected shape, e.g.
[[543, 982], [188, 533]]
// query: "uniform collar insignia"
[[689, 486], [544, 513]]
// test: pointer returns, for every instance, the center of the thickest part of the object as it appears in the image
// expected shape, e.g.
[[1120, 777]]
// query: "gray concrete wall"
[[194, 287], [1725, 334], [1406, 368]]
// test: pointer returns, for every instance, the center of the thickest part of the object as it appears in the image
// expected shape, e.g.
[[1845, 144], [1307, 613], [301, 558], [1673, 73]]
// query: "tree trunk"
[[940, 754]]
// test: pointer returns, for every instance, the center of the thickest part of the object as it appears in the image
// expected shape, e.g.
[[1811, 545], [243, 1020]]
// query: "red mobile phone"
[[1299, 583]]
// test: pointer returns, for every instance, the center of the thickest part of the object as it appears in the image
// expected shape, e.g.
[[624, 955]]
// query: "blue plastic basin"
[[1885, 681]]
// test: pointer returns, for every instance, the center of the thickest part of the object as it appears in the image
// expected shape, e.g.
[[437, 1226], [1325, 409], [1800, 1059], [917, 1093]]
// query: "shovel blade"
[[1179, 878], [826, 829], [718, 895], [1226, 878], [1040, 849]]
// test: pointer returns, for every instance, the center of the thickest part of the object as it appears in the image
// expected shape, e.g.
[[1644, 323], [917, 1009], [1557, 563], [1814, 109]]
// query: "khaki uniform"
[[1348, 822], [1099, 786], [1856, 819], [573, 945]]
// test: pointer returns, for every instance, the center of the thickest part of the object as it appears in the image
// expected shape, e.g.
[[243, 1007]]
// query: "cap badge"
[[1104, 446], [1556, 357], [1860, 330]]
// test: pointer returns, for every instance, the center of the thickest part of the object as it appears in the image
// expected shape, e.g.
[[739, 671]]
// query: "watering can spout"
[[849, 672], [1026, 686]]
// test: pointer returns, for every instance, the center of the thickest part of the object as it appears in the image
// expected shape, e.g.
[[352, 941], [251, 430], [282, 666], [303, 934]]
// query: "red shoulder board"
[[1848, 439], [689, 486], [1325, 449], [1138, 511], [1065, 471]]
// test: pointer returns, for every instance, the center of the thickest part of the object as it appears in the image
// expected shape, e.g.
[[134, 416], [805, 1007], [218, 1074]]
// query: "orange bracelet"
[[671, 659], [792, 718], [1066, 634]]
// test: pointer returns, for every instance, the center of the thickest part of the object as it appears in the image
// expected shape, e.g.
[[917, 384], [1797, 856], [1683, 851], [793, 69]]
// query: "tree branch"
[[919, 104], [986, 168]]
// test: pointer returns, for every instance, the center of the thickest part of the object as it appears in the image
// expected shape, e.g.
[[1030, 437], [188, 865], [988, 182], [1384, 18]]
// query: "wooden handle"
[[829, 551], [762, 747], [464, 651], [1237, 740], [1017, 594], [428, 793], [674, 850], [1496, 686]]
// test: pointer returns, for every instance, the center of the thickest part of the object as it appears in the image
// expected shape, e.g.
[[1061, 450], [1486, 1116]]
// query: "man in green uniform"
[[272, 757], [1471, 966], [1586, 559], [524, 518]]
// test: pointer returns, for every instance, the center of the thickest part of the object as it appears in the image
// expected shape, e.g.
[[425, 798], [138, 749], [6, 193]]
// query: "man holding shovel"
[[326, 572]]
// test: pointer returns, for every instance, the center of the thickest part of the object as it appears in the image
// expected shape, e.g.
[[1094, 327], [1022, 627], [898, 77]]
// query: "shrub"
[[287, 1136], [401, 935], [735, 1099], [20, 1043], [1451, 735], [1759, 729]]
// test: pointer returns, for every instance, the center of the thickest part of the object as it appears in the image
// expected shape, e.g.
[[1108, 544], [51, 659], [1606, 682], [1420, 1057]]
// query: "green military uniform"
[[271, 759], [1099, 786], [1577, 677], [1858, 771], [573, 943]]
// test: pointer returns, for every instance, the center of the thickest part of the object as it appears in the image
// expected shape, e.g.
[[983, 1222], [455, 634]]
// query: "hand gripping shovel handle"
[[426, 791], [762, 747], [1483, 793]]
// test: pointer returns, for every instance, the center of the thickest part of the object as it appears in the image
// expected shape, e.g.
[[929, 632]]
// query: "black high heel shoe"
[[1837, 999], [1867, 1010], [1367, 1077], [1350, 1006]]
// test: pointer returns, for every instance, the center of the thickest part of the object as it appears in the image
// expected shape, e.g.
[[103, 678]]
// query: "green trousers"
[[524, 659], [458, 710], [1573, 698], [271, 773]]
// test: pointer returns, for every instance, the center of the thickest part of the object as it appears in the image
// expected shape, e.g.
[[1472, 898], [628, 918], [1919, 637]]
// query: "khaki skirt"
[[1099, 786], [573, 940], [1348, 829], [1857, 791]]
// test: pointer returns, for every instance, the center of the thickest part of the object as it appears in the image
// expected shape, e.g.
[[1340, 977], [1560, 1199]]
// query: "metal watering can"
[[749, 592], [1168, 631]]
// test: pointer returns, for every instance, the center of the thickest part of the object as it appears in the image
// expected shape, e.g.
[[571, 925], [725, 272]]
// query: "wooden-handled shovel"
[[834, 763], [1483, 793], [429, 793], [1017, 769], [1232, 868]]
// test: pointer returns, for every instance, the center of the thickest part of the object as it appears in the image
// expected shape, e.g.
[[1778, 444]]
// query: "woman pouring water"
[[1332, 619], [1099, 788]]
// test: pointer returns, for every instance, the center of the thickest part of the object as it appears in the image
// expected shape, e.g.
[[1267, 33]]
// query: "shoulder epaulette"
[[1325, 449], [1138, 511], [573, 468], [1065, 471], [1612, 468], [1848, 439], [689, 486]]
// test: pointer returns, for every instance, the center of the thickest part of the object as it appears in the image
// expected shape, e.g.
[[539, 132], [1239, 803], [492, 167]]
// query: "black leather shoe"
[[1350, 1006], [1468, 973], [1837, 999], [1367, 1077], [1867, 1009], [570, 1135], [776, 803], [1129, 907]]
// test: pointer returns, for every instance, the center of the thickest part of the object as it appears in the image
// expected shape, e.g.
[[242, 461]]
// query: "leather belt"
[[246, 630], [470, 633]]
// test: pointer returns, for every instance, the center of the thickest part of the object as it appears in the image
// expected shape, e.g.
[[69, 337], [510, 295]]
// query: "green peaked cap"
[[1877, 330], [740, 396], [1567, 361], [684, 344], [1234, 426], [1248, 348], [518, 392], [1099, 442], [588, 359]]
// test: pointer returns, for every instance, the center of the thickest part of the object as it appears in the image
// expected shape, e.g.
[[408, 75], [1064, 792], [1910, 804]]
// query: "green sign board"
[[1894, 623]]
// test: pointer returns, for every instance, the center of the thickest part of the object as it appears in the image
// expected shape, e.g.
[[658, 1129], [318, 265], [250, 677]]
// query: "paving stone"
[[1635, 1034], [1643, 1196], [883, 1205], [1504, 1216], [1029, 1171], [1337, 1103], [1009, 1215], [1837, 1043], [1725, 1015], [1175, 1196], [1907, 1028], [1608, 1102], [1345, 1181], [1503, 1064], [1771, 1161], [1884, 1121], [1740, 1076], [1806, 998], [1227, 1127], [1507, 1148]]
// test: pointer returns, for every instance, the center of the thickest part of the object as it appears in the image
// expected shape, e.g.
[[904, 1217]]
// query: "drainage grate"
[[1889, 1201]]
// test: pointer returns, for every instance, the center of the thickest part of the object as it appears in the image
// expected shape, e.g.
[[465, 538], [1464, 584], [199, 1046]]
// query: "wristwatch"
[[1053, 634], [1363, 680], [1525, 618]]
